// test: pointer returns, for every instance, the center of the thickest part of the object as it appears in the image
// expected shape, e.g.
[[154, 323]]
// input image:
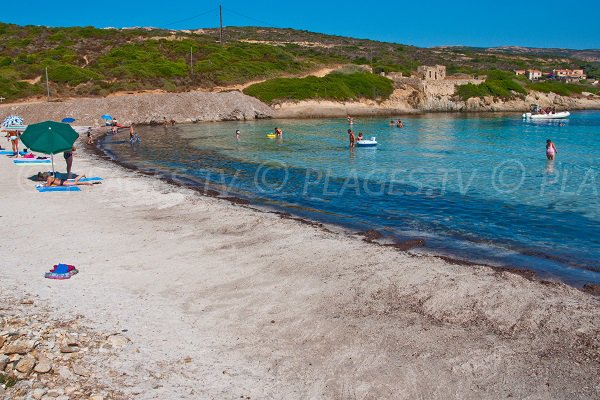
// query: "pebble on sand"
[[43, 365], [26, 364]]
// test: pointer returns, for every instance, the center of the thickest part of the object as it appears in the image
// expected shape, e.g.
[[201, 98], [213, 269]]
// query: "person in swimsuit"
[[68, 155], [550, 150], [392, 123], [53, 181], [90, 138], [13, 137], [352, 138], [237, 134], [399, 124], [360, 136], [278, 132]]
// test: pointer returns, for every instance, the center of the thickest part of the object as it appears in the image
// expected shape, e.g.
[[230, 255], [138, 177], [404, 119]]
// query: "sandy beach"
[[222, 301]]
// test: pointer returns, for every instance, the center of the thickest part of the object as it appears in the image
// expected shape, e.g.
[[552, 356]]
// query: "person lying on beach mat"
[[52, 181]]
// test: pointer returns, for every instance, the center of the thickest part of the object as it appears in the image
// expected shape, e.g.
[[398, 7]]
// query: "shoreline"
[[370, 236], [222, 301]]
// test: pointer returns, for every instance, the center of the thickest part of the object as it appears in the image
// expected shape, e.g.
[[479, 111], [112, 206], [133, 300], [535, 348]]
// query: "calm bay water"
[[477, 188]]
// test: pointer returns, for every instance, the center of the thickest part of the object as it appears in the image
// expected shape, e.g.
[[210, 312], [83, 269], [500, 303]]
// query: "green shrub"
[[560, 88], [71, 74], [5, 61], [335, 86], [498, 84], [14, 89]]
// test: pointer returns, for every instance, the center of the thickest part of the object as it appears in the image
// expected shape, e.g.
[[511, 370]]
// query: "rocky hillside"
[[85, 61], [147, 108]]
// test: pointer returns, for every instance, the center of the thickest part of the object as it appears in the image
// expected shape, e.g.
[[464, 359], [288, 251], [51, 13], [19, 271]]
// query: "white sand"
[[266, 307]]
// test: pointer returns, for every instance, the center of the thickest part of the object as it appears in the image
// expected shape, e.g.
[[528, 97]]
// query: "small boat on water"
[[538, 113], [367, 142]]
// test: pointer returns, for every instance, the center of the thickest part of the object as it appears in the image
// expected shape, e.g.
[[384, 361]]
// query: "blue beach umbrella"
[[107, 117], [68, 120]]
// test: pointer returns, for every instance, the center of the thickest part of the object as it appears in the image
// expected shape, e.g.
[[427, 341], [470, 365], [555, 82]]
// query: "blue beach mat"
[[91, 179], [31, 161], [44, 189], [11, 153]]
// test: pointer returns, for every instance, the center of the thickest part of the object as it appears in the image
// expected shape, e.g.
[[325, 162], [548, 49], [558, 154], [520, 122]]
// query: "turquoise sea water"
[[475, 187]]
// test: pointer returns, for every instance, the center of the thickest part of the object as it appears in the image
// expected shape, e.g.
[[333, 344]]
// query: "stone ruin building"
[[430, 73]]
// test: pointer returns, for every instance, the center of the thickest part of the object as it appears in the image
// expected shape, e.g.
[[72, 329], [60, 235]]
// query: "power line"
[[191, 18], [264, 23]]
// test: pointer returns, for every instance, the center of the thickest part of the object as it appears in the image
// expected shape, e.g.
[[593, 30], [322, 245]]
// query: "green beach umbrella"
[[49, 138]]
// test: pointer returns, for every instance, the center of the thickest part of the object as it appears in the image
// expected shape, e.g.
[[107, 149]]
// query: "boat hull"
[[559, 115]]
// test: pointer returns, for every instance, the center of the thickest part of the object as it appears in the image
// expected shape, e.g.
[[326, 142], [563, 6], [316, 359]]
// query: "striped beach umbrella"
[[12, 120]]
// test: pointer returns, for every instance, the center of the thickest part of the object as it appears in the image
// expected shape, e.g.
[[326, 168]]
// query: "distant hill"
[[86, 61]]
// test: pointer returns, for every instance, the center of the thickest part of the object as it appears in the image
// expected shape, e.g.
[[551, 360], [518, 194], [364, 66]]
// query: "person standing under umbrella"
[[68, 155], [51, 138], [13, 137]]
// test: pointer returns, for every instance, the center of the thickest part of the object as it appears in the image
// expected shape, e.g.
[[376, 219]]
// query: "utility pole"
[[47, 84], [221, 24], [191, 60]]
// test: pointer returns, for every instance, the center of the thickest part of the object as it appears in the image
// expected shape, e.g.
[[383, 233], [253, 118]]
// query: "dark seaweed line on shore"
[[370, 237]]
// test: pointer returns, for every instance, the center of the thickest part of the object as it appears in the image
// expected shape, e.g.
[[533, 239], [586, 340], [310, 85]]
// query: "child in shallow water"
[[550, 150]]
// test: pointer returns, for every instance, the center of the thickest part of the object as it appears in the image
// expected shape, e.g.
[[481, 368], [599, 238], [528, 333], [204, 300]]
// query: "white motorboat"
[[367, 142], [539, 113]]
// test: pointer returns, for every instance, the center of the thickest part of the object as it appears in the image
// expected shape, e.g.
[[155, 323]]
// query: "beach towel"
[[91, 179], [44, 189], [31, 161], [11, 153], [61, 271]]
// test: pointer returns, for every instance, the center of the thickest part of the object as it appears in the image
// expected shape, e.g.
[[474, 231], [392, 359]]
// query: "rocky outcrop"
[[150, 108], [410, 100], [147, 108]]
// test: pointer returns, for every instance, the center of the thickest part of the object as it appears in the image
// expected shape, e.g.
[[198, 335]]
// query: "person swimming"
[[399, 124], [237, 134], [551, 150]]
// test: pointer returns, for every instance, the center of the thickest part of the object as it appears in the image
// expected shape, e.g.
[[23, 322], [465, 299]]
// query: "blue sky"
[[421, 23]]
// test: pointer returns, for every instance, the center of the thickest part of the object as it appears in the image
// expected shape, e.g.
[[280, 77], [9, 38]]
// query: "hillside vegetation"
[[498, 84], [335, 86], [85, 61]]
